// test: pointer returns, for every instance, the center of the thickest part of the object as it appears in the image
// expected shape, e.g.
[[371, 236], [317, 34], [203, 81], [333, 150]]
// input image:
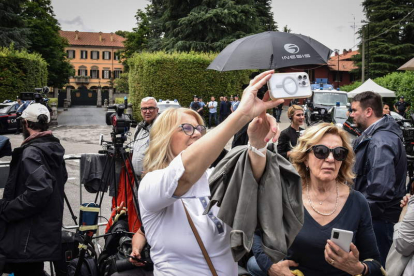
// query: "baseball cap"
[[33, 111], [402, 97]]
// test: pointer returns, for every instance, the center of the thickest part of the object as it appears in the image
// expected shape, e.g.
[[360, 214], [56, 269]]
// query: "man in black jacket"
[[380, 166], [31, 210]]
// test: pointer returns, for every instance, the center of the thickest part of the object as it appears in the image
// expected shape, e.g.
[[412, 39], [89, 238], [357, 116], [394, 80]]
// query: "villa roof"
[[76, 38]]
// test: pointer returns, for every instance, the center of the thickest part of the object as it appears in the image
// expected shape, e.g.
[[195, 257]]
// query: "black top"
[[401, 106], [225, 108], [287, 140], [309, 245]]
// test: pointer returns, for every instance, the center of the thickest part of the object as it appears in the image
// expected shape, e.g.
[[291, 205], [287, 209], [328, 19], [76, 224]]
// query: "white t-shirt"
[[174, 249]]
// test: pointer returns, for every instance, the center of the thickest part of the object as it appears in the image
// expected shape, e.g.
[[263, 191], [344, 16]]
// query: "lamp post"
[[337, 72]]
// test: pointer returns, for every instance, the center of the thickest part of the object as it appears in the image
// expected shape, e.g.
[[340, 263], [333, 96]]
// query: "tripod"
[[117, 158]]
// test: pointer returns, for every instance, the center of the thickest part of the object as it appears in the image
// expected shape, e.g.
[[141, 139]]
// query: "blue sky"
[[328, 21]]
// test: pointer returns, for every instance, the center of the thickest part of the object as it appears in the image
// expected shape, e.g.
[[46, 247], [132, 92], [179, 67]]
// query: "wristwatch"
[[363, 271]]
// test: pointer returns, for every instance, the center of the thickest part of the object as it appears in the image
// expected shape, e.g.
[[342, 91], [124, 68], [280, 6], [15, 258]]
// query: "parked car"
[[318, 106], [163, 105], [8, 117]]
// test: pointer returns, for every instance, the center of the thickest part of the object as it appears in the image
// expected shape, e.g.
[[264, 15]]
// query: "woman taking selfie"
[[176, 183], [324, 160]]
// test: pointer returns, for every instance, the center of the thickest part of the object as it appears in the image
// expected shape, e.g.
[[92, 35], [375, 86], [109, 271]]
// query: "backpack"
[[89, 267]]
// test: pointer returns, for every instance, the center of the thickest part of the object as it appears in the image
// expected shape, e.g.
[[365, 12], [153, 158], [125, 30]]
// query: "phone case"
[[289, 86], [342, 238]]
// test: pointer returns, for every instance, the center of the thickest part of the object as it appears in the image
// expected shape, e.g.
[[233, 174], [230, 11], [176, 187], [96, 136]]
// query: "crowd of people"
[[357, 187]]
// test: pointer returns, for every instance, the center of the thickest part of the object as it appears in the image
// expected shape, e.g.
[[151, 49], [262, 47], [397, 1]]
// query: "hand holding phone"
[[289, 86], [342, 238], [137, 259]]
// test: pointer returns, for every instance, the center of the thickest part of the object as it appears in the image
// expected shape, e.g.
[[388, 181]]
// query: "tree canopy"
[[198, 25], [388, 35], [12, 25], [46, 40]]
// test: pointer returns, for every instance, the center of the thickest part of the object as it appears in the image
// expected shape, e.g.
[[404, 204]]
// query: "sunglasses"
[[189, 129], [322, 152]]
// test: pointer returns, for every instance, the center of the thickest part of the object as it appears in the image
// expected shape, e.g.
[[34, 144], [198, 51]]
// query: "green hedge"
[[180, 76], [402, 83], [20, 72], [53, 100]]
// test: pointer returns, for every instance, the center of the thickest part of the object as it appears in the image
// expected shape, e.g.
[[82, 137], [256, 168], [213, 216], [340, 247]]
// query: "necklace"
[[320, 213]]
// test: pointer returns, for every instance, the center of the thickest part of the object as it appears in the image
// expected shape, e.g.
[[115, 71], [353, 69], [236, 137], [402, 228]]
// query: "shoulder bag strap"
[[200, 242]]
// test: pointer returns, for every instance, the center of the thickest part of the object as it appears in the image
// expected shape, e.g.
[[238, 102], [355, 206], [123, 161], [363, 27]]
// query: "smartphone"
[[136, 259], [289, 86], [342, 238]]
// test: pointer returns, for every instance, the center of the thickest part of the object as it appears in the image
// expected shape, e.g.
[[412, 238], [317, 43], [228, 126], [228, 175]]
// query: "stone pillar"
[[106, 104], [99, 103], [111, 96], [53, 119], [68, 98], [55, 92], [65, 104]]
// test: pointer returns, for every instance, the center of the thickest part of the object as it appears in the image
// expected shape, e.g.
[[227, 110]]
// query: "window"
[[106, 74], [106, 55], [95, 54], [117, 73], [94, 72], [116, 56], [82, 71], [84, 54], [70, 53]]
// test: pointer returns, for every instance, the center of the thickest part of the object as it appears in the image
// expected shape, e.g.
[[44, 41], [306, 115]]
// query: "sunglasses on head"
[[189, 129], [322, 152]]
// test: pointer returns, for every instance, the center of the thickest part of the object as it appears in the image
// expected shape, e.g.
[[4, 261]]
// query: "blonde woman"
[[176, 176], [324, 160]]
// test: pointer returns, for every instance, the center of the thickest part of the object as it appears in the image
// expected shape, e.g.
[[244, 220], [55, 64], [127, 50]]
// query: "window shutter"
[[109, 74], [74, 53], [91, 73], [79, 72], [109, 53], [103, 74], [97, 55], [97, 74]]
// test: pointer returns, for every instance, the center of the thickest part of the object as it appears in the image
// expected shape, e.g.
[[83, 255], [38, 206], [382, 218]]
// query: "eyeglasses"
[[322, 152], [150, 109], [189, 129]]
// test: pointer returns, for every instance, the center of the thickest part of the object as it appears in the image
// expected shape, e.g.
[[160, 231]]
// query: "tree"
[[388, 35], [286, 29], [46, 40], [12, 25], [206, 25]]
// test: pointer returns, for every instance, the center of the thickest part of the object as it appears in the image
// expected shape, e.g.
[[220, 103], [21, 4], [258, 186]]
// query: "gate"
[[83, 96], [105, 95], [61, 97]]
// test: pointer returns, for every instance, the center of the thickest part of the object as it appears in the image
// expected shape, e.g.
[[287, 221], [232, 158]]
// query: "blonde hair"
[[159, 154], [292, 110], [311, 137]]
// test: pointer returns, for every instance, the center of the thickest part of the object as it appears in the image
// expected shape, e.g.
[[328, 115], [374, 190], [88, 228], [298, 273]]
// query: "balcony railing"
[[81, 79]]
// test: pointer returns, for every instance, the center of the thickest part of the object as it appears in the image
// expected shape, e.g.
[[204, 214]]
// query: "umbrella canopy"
[[370, 85], [409, 65], [270, 50]]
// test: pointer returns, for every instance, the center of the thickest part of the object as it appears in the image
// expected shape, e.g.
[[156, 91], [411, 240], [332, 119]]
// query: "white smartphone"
[[342, 238], [289, 86]]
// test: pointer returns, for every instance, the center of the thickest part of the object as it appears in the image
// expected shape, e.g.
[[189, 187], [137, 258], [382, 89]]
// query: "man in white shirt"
[[212, 109], [149, 112]]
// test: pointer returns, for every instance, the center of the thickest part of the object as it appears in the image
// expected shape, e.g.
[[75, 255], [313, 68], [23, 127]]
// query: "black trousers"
[[25, 269]]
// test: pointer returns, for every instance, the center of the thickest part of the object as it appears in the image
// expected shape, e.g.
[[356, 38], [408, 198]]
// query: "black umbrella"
[[270, 50]]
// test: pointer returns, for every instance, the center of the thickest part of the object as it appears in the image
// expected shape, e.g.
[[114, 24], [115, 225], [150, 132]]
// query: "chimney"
[[112, 36], [100, 36], [336, 53], [76, 35], [345, 52]]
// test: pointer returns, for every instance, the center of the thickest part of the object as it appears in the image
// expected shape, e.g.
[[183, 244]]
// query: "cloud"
[[75, 23]]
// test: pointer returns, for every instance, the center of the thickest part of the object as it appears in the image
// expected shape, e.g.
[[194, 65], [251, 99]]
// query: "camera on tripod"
[[120, 122], [34, 96]]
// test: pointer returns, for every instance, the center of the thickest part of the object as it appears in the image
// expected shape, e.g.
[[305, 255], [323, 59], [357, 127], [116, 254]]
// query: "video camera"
[[408, 133], [34, 96]]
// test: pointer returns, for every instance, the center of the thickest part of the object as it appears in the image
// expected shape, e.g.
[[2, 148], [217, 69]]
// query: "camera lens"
[[305, 77], [299, 77], [303, 83], [336, 235]]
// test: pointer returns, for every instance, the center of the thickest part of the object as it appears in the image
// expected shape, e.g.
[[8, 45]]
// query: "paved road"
[[82, 116]]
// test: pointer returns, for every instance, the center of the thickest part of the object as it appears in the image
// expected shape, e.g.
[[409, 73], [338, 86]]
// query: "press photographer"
[[32, 206], [149, 112]]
